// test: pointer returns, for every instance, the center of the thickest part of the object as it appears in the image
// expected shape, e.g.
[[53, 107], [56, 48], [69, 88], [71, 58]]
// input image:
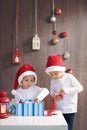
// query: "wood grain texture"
[[73, 20]]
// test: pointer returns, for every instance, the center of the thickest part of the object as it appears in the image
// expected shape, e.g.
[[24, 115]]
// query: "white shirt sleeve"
[[75, 86], [44, 92]]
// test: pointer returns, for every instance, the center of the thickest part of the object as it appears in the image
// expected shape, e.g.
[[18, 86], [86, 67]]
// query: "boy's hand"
[[62, 93], [59, 96], [36, 100]]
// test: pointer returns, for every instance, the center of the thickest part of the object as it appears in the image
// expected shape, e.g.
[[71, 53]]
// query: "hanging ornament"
[[63, 34], [36, 39], [58, 11], [54, 32], [53, 18], [55, 40], [16, 56], [16, 53], [70, 71], [36, 42], [66, 55]]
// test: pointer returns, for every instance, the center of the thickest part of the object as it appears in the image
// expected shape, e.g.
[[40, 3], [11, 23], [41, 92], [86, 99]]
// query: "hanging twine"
[[35, 5], [53, 7], [54, 24], [17, 10]]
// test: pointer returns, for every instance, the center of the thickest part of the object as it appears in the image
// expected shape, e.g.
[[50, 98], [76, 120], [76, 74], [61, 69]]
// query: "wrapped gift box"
[[29, 108]]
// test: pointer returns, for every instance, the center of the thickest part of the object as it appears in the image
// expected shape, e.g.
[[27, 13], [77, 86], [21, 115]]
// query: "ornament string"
[[54, 23], [35, 3], [36, 39], [17, 10], [16, 53], [53, 7]]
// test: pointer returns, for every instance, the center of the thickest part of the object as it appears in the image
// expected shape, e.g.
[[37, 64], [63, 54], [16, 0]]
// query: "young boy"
[[65, 87], [25, 85]]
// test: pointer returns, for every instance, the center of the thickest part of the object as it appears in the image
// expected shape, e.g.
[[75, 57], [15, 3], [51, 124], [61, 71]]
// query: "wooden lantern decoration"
[[16, 53]]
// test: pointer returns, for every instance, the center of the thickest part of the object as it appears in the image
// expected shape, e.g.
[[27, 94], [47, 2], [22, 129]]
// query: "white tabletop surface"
[[52, 121]]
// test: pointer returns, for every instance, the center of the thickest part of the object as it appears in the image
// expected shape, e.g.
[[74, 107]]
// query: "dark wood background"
[[73, 20]]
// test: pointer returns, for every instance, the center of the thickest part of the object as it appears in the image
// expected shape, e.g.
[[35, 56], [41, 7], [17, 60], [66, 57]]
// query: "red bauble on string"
[[16, 56], [54, 32], [58, 11], [64, 34]]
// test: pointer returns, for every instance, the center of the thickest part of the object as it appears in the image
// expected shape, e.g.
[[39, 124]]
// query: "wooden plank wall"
[[73, 20]]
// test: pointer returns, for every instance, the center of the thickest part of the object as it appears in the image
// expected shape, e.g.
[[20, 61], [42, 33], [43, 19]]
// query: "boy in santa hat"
[[65, 87], [25, 85]]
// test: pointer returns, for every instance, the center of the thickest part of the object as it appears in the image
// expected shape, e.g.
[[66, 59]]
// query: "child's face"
[[56, 74], [28, 81]]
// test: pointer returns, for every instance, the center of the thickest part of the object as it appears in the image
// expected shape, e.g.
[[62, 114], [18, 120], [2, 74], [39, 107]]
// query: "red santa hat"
[[23, 71], [55, 63]]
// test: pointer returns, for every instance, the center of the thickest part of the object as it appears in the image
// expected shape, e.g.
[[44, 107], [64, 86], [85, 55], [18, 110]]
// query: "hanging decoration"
[[53, 20], [66, 55], [70, 71], [58, 11], [54, 29], [36, 39], [55, 40], [16, 53], [63, 34], [16, 56]]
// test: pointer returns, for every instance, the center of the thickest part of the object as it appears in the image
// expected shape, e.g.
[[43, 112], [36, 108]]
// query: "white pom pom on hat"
[[23, 71], [55, 63]]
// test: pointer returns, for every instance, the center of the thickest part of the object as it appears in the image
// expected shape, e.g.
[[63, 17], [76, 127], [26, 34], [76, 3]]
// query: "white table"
[[54, 122]]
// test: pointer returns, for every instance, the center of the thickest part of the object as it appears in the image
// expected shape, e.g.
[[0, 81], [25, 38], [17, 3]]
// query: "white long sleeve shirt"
[[31, 93], [72, 87]]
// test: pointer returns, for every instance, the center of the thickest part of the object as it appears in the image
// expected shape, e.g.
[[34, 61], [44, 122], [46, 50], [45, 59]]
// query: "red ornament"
[[58, 11], [54, 32], [16, 56], [54, 28], [64, 34], [4, 105], [69, 71]]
